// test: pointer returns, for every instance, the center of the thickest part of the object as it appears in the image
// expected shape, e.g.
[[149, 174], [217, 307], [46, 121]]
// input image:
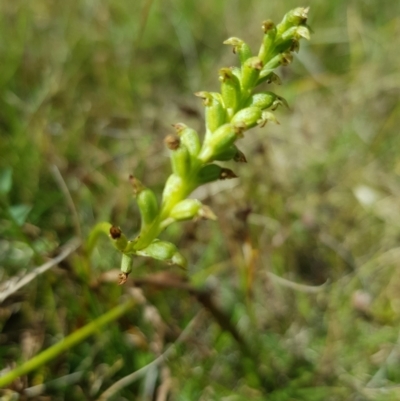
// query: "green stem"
[[100, 228], [67, 343]]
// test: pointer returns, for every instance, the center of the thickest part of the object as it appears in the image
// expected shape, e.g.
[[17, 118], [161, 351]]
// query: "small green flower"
[[146, 200], [165, 251]]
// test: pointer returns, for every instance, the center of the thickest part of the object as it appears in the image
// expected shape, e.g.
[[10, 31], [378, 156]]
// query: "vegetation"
[[291, 293]]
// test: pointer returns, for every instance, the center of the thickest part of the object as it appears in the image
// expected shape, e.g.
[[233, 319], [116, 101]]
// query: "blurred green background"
[[305, 255]]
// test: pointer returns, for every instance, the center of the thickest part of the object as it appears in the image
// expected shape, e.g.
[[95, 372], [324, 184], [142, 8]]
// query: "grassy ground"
[[304, 259]]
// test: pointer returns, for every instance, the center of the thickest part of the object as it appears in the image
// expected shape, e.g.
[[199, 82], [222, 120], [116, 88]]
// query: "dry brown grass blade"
[[71, 205], [311, 289], [12, 286]]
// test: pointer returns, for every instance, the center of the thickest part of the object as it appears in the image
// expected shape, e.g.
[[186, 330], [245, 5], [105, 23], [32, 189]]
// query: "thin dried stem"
[[127, 380], [65, 190], [13, 286], [311, 289]]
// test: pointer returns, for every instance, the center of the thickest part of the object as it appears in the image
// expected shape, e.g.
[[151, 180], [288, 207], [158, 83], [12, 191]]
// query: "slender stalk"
[[67, 343], [97, 230]]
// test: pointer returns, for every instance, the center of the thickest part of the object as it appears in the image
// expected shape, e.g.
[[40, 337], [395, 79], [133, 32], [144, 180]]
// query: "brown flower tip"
[[227, 174], [240, 157], [295, 46], [179, 127], [235, 42], [239, 127], [274, 79], [205, 96], [256, 63], [122, 278], [302, 13], [172, 142], [115, 232], [286, 59], [225, 74], [206, 213], [137, 186], [267, 25]]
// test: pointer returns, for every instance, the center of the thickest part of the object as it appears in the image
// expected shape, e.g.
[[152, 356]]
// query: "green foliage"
[[93, 88]]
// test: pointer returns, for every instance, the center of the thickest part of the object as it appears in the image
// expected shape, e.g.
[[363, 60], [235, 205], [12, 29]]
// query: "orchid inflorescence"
[[228, 115]]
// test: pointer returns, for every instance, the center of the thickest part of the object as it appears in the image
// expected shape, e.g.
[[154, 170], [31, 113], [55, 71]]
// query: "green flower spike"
[[228, 115]]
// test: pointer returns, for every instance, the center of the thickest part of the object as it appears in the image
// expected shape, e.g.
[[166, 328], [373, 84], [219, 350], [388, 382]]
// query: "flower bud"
[[172, 190], [275, 62], [270, 77], [296, 32], [280, 59], [180, 157], [248, 116], [239, 47], [215, 112], [179, 260], [146, 200], [295, 17], [118, 238], [186, 209], [267, 45], [285, 46], [230, 90], [189, 138], [223, 138], [262, 100], [250, 72], [189, 209], [165, 251], [289, 41]]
